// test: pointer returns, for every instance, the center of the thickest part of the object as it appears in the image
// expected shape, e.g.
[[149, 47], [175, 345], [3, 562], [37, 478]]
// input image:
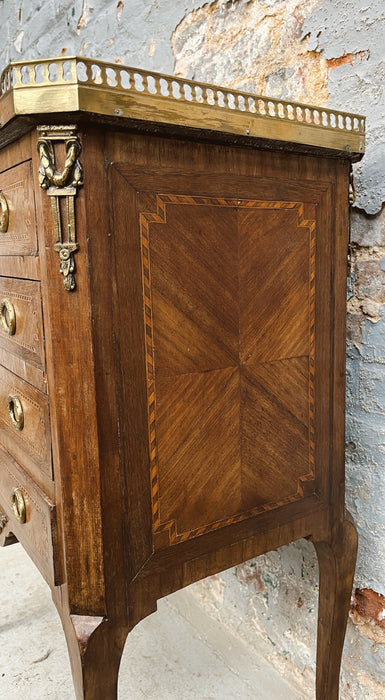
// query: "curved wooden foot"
[[95, 647], [337, 560]]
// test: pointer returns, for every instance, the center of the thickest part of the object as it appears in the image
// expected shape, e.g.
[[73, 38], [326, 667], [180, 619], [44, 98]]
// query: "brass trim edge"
[[62, 184], [80, 84], [352, 194]]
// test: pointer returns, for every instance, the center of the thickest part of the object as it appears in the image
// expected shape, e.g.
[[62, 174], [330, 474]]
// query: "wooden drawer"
[[21, 328], [18, 221], [31, 517], [25, 427]]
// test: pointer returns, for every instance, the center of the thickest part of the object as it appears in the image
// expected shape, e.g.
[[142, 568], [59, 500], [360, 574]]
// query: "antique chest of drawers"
[[172, 300]]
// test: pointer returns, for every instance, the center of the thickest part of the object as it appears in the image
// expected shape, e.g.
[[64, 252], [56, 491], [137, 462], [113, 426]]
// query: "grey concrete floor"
[[177, 653]]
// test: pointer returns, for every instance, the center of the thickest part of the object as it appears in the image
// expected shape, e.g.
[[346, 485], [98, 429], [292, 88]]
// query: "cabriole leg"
[[337, 560], [95, 647]]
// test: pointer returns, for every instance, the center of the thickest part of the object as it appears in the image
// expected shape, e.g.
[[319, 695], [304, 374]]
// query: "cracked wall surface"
[[353, 27], [253, 46], [328, 52], [124, 31]]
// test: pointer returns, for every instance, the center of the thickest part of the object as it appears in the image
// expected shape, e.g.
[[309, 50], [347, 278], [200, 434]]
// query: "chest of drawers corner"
[[172, 312], [27, 494]]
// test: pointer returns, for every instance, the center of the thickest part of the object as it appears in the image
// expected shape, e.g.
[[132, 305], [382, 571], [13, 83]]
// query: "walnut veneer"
[[172, 355]]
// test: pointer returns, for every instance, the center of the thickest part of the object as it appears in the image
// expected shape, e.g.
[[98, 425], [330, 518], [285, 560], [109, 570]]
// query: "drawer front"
[[25, 427], [17, 212], [21, 322], [31, 517]]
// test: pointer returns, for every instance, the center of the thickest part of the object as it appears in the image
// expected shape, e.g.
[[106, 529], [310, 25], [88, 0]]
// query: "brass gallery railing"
[[176, 92]]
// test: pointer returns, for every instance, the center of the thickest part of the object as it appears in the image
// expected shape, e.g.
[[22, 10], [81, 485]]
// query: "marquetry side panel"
[[229, 290]]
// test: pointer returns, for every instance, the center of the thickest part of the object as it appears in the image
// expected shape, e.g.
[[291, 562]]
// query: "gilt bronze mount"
[[62, 184]]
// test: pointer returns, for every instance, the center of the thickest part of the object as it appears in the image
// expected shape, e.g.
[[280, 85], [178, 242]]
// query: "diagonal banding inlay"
[[229, 318]]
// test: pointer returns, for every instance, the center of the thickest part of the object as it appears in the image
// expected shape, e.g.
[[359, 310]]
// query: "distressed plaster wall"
[[321, 51], [133, 32]]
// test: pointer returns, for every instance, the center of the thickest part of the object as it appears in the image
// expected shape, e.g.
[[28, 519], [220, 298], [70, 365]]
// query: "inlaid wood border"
[[305, 482]]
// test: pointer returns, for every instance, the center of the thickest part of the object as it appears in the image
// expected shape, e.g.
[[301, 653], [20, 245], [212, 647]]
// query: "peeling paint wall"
[[254, 46], [329, 52], [133, 32]]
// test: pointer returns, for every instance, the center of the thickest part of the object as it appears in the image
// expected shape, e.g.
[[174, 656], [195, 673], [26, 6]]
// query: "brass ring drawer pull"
[[18, 506], [16, 412], [8, 316], [4, 216]]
